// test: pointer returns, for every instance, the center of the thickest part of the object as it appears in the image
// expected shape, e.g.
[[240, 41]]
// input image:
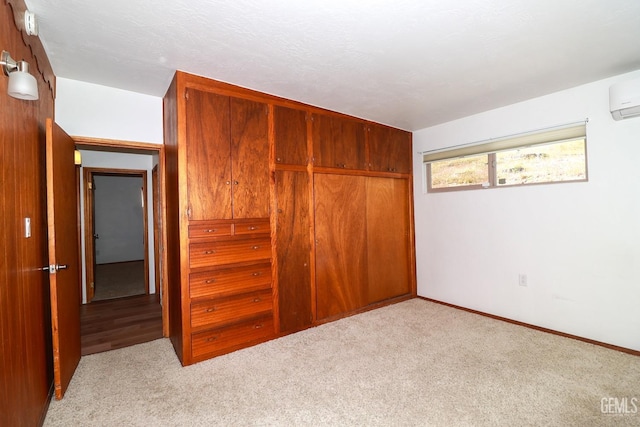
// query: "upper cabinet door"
[[389, 149], [290, 135], [250, 158], [338, 142], [208, 152]]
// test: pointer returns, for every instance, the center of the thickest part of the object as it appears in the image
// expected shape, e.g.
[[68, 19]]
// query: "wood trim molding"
[[537, 328], [42, 65], [107, 144]]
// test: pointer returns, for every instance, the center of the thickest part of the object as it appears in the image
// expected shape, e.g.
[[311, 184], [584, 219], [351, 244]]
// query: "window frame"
[[492, 162]]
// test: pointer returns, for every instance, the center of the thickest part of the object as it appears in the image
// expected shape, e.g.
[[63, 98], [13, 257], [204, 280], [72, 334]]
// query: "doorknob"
[[54, 267], [96, 236]]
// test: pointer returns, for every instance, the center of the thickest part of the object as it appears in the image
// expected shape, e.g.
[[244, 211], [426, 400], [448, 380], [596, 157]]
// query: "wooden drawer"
[[230, 281], [209, 229], [228, 251], [231, 338], [252, 226], [220, 311]]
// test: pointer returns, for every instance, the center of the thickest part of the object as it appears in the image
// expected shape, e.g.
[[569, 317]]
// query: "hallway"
[[116, 323]]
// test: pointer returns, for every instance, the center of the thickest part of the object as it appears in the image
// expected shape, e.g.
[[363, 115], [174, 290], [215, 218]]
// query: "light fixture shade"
[[22, 85]]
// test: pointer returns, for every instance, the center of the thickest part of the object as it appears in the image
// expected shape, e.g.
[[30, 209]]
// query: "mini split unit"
[[624, 99]]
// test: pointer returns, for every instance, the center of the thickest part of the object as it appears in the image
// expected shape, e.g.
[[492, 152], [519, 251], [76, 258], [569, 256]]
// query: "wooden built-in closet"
[[280, 216]]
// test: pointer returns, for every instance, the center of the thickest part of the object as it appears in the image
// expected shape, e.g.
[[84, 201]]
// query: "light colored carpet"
[[414, 363]]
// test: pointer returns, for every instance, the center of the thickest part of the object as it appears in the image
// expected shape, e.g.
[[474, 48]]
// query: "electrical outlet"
[[522, 279]]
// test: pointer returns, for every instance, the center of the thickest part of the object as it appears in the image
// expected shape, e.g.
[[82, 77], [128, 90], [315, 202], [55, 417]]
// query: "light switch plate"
[[27, 227]]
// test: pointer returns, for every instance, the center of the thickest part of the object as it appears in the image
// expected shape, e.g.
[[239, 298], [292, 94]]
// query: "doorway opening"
[[116, 230], [135, 310]]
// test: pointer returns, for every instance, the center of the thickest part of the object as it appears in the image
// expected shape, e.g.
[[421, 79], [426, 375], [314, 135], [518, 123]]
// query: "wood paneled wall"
[[25, 332]]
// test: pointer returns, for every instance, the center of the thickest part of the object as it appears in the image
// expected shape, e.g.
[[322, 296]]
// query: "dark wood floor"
[[116, 323]]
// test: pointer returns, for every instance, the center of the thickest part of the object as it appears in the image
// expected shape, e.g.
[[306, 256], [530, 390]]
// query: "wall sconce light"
[[22, 85]]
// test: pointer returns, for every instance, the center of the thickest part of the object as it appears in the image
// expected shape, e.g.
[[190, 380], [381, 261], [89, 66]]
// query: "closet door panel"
[[250, 158], [208, 152], [340, 231], [293, 250], [387, 238]]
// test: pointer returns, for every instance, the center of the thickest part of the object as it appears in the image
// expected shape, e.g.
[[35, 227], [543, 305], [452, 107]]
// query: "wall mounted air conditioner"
[[624, 99]]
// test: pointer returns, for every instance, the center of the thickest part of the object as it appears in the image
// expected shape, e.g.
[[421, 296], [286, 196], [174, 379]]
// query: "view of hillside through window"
[[462, 171], [555, 162], [563, 161]]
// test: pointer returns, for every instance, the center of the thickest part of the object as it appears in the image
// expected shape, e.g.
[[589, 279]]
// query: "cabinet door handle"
[[278, 160], [209, 281], [228, 182], [235, 183]]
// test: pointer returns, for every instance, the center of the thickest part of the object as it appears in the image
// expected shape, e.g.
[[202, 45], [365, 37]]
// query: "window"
[[552, 155]]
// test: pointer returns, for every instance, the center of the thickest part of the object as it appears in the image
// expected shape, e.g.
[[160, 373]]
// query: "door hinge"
[[90, 185], [91, 284], [189, 213]]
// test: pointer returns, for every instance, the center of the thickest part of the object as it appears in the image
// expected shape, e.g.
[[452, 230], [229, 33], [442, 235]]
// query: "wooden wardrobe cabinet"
[[279, 216], [220, 271]]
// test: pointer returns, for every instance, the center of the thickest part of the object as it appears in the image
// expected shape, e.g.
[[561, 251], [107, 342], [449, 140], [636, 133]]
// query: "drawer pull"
[[211, 230], [255, 247], [256, 274], [210, 310], [253, 228], [258, 326], [257, 300], [209, 252], [210, 281], [212, 339]]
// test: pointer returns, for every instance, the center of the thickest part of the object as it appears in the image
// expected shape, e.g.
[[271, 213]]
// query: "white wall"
[[86, 109], [577, 243]]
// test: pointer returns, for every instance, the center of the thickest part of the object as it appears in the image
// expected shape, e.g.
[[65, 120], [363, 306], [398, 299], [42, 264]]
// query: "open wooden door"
[[63, 255]]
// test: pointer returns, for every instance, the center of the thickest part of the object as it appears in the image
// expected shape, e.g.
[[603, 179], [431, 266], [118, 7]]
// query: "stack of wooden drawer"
[[230, 285]]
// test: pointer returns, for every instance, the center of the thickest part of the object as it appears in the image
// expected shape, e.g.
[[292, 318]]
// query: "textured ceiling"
[[410, 64]]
